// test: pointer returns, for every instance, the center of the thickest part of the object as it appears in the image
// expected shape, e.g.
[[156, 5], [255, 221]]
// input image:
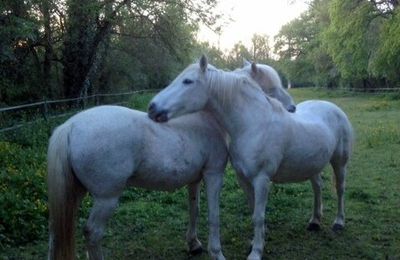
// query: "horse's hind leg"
[[94, 229], [340, 174], [193, 242], [315, 221]]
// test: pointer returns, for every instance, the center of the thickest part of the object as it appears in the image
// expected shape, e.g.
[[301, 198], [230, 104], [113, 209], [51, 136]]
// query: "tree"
[[91, 21], [260, 48], [295, 45], [19, 58], [363, 41], [325, 73], [346, 39], [237, 54], [53, 48], [214, 54], [386, 62]]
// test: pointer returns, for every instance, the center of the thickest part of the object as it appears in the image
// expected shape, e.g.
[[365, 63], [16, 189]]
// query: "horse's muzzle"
[[157, 115], [291, 108]]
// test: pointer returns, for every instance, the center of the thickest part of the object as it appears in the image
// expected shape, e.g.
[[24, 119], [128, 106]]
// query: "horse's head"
[[186, 94], [268, 79]]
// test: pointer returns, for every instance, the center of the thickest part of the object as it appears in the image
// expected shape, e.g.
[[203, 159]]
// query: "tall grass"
[[152, 224]]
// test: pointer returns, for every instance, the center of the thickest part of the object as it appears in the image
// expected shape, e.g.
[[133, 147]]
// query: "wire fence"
[[15, 117], [374, 90]]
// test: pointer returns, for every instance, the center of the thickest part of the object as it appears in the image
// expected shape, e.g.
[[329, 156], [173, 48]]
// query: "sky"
[[250, 17]]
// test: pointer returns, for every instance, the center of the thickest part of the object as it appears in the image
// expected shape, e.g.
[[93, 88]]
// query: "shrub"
[[23, 208]]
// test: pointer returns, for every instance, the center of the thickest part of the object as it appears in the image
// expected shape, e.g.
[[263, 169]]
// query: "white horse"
[[267, 142], [104, 149], [269, 81]]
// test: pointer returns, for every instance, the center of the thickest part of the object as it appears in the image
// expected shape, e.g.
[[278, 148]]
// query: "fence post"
[[45, 109], [84, 101]]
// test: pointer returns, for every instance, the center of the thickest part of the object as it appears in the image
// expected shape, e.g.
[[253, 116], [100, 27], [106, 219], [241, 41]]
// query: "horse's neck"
[[243, 110], [215, 123]]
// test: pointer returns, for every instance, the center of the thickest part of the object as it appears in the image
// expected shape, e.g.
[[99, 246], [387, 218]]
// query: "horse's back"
[[317, 109], [322, 112], [104, 146]]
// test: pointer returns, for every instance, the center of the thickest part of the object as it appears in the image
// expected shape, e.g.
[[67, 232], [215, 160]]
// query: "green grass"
[[152, 225]]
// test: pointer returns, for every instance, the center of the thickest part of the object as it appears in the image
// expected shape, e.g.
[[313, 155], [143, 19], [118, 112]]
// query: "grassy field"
[[152, 225]]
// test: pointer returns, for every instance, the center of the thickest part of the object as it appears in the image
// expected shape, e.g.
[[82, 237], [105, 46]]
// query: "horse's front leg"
[[315, 221], [247, 188], [261, 184], [214, 183], [193, 242]]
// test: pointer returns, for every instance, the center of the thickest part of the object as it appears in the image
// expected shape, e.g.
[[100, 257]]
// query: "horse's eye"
[[187, 81]]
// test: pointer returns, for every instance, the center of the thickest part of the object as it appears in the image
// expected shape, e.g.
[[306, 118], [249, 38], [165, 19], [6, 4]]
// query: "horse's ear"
[[245, 62], [254, 68], [203, 63]]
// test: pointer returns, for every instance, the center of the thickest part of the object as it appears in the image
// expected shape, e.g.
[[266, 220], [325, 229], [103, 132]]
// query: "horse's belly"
[[295, 175], [301, 169], [166, 178]]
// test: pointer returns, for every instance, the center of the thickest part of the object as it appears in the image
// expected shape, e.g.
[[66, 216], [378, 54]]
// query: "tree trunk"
[[85, 32], [48, 55], [80, 30]]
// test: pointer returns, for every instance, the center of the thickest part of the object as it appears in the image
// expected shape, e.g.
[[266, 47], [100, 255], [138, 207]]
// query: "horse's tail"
[[350, 135], [345, 145], [63, 196]]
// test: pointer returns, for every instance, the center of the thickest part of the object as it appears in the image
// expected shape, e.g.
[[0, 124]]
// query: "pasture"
[[152, 225]]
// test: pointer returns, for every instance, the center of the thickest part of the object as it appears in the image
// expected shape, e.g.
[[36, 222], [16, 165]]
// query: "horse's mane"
[[225, 84]]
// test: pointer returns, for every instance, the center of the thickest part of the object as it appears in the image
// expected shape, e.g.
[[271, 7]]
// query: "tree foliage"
[[67, 48], [387, 61], [261, 50], [19, 62], [342, 43], [347, 38]]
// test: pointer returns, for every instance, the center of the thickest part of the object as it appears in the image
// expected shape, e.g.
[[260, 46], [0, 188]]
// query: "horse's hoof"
[[254, 257], [196, 251], [337, 227], [249, 250], [313, 227]]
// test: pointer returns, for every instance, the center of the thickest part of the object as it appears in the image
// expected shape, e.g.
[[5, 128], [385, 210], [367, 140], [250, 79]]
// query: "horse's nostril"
[[292, 108], [161, 116], [158, 115], [152, 107]]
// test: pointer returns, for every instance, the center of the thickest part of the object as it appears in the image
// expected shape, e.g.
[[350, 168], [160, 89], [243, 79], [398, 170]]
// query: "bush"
[[23, 209], [23, 192]]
